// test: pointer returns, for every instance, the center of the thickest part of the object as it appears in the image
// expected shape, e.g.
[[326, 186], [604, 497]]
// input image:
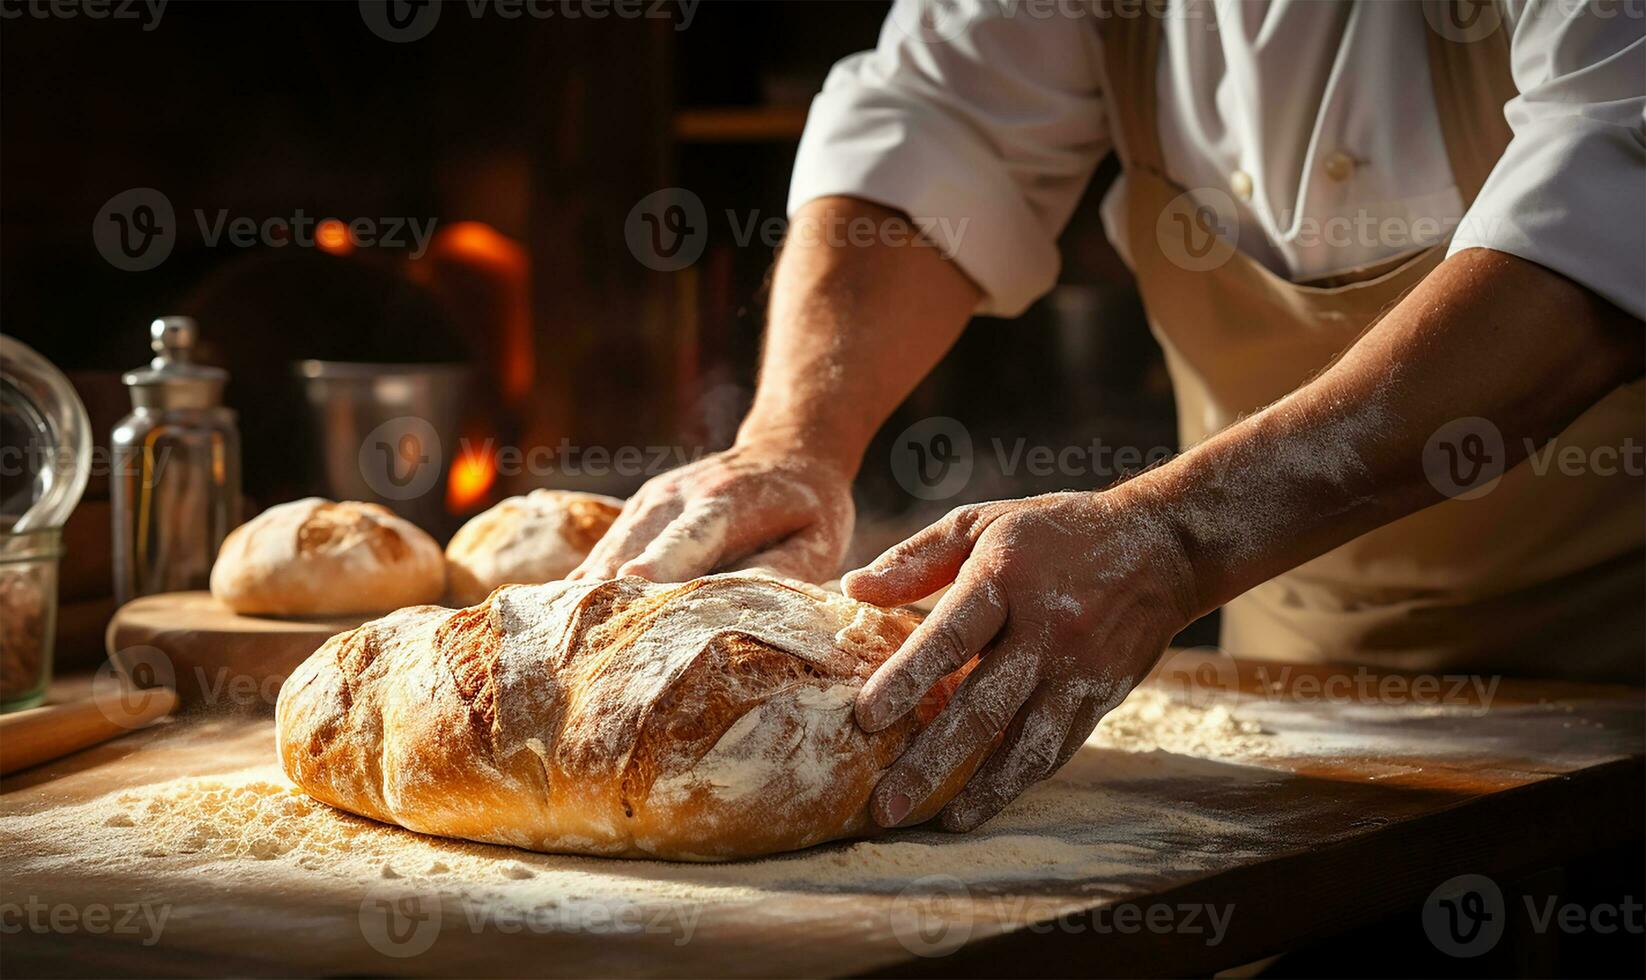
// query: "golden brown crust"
[[328, 528], [588, 520], [702, 721], [314, 557], [526, 540], [468, 646]]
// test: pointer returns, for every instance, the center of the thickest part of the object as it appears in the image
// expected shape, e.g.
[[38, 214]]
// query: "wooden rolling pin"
[[38, 735]]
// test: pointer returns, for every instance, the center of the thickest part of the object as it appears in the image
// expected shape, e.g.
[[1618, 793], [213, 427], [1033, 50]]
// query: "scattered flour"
[[1109, 817], [1150, 720]]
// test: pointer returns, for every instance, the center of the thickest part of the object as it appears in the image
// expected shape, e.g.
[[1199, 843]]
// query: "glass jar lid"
[[45, 441]]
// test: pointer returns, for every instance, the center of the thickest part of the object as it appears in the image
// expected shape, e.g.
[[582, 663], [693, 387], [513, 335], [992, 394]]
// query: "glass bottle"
[[176, 479]]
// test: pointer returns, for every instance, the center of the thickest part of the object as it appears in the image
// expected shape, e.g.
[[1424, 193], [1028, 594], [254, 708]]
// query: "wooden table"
[[1366, 800]]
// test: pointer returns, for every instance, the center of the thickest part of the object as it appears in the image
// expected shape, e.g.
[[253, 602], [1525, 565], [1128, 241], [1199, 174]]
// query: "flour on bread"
[[700, 721], [314, 557], [526, 540]]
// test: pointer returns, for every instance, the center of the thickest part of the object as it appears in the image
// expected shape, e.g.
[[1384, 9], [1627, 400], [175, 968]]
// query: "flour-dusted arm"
[[932, 181]]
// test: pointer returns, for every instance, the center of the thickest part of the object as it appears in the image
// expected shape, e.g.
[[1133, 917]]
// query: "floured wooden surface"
[[1178, 787]]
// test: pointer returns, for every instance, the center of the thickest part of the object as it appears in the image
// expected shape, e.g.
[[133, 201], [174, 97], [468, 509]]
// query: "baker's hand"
[[1070, 598], [754, 505]]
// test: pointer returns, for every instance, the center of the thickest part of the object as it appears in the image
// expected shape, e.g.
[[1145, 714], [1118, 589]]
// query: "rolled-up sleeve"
[[1569, 193], [981, 121]]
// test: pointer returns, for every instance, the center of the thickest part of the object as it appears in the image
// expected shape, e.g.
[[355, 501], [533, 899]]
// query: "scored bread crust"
[[526, 540], [702, 721], [314, 557]]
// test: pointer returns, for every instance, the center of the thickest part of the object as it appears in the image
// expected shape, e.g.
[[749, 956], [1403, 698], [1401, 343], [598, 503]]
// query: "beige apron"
[[1545, 574]]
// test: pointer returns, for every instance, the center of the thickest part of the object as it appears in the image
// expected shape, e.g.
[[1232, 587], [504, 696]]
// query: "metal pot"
[[387, 433]]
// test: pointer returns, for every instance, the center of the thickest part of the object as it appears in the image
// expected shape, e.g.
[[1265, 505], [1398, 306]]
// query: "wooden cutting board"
[[213, 655]]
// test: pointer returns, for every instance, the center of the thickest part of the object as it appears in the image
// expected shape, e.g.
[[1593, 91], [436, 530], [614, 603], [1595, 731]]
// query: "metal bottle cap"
[[172, 380]]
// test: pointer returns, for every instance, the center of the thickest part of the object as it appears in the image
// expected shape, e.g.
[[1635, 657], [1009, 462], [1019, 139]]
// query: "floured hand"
[[752, 506], [1069, 598]]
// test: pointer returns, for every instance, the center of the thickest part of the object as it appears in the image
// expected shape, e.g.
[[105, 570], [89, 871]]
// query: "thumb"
[[920, 565]]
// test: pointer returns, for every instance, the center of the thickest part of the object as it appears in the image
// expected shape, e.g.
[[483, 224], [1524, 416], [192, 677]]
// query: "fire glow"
[[332, 236], [473, 474], [501, 266]]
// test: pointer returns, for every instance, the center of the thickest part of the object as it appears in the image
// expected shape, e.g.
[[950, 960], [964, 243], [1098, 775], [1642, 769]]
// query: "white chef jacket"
[[984, 120]]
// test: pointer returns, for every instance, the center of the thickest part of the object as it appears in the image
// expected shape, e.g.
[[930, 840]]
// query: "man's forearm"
[[1487, 334], [861, 309]]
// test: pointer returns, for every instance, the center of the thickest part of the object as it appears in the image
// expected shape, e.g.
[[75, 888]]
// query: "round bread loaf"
[[313, 557], [701, 721], [527, 540]]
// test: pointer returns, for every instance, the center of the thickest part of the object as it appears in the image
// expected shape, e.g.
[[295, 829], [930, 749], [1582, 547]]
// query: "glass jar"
[[45, 459], [45, 441], [28, 614]]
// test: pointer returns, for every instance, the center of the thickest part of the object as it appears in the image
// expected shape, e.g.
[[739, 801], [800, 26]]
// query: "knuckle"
[[652, 506], [993, 561], [980, 724], [901, 551], [1037, 760], [1000, 548], [964, 518], [904, 689], [1010, 530], [944, 647], [982, 799]]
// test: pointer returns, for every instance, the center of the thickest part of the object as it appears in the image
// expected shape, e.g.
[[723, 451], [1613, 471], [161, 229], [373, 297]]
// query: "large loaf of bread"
[[703, 721]]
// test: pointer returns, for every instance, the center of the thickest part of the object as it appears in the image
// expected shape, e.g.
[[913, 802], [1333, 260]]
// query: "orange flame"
[[332, 236], [472, 475]]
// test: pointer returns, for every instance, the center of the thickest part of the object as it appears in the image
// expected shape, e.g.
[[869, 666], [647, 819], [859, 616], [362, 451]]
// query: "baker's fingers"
[[984, 704], [921, 565], [1092, 710], [693, 544], [1030, 752], [642, 519], [959, 627], [810, 555]]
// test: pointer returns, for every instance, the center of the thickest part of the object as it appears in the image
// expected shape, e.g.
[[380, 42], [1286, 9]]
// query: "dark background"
[[544, 133]]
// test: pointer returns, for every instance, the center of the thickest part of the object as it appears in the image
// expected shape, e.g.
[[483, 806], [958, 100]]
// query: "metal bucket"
[[387, 433]]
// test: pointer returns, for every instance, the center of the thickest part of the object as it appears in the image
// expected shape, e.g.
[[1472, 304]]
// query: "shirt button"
[[1241, 183], [1340, 166]]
